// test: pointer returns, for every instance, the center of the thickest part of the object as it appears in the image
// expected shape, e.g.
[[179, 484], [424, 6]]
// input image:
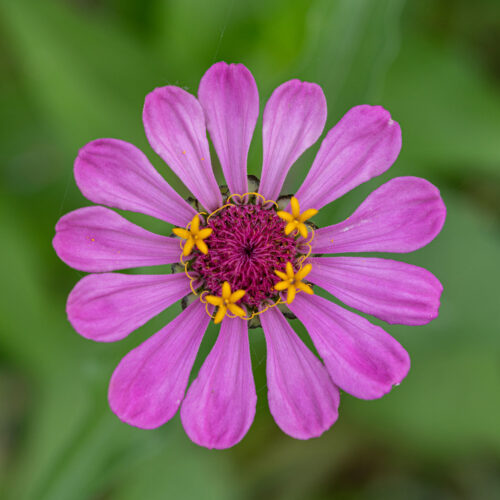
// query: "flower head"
[[242, 253]]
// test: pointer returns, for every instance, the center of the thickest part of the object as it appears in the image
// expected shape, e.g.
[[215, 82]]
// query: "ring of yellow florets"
[[247, 256]]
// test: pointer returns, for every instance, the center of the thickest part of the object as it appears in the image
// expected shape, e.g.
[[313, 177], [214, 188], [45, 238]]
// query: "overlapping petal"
[[107, 307], [220, 404], [294, 118], [149, 383], [361, 358], [230, 100], [117, 174], [363, 144], [390, 290], [402, 215], [175, 127], [96, 239], [302, 398]]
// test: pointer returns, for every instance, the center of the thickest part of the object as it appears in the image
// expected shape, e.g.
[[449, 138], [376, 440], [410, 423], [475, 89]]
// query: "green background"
[[75, 70]]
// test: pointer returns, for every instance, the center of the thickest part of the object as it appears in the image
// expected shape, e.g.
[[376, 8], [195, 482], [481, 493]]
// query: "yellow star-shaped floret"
[[193, 236], [296, 219], [226, 302], [293, 281]]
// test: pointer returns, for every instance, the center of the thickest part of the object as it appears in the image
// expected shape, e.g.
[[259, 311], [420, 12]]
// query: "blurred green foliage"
[[75, 70]]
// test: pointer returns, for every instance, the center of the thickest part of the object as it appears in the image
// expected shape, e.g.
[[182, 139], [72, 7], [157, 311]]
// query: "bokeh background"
[[75, 70]]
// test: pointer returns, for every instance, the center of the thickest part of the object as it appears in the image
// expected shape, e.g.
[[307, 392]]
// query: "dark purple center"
[[247, 245]]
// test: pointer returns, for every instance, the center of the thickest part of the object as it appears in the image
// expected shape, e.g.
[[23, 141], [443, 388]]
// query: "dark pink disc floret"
[[247, 245]]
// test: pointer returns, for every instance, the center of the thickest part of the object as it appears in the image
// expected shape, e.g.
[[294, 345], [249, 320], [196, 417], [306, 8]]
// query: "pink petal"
[[229, 97], [175, 127], [364, 144], [402, 215], [362, 359], [117, 174], [96, 239], [148, 385], [302, 398], [294, 118], [392, 291], [220, 404], [107, 307]]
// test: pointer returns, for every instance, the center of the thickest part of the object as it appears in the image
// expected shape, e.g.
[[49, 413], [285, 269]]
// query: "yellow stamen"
[[281, 275], [195, 225], [292, 282], [193, 236], [226, 302], [295, 220], [201, 246], [221, 313]]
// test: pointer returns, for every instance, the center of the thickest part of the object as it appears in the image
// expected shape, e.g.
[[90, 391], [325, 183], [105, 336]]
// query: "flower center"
[[247, 245]]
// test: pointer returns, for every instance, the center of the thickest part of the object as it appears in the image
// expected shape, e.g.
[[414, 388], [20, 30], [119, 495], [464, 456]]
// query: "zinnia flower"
[[246, 257]]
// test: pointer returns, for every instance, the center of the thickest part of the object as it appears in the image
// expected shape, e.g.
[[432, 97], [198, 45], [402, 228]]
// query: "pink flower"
[[243, 257]]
